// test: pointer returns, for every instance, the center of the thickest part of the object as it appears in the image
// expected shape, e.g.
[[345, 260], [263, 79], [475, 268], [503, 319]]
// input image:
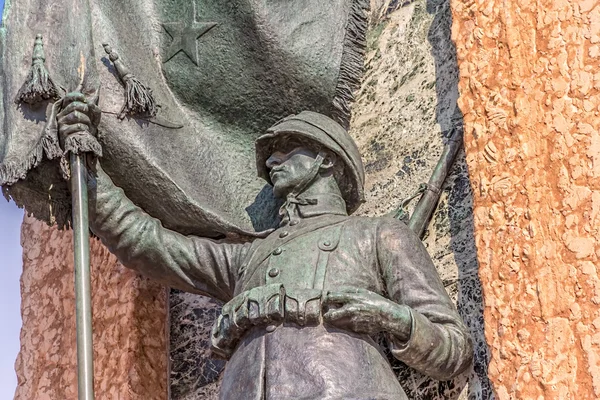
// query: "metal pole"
[[83, 298]]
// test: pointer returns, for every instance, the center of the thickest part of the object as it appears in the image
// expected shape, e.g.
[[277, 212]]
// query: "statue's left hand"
[[366, 312]]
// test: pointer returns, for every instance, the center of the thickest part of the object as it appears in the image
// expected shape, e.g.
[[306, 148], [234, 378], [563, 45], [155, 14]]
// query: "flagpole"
[[83, 298]]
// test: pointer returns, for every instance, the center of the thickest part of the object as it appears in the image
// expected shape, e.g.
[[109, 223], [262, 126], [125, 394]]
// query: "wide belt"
[[261, 306]]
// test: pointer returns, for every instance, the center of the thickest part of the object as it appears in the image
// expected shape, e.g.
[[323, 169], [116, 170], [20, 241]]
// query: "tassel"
[[38, 86], [138, 97]]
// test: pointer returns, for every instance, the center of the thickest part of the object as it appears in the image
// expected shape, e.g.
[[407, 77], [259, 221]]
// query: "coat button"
[[271, 328], [293, 223], [273, 272], [283, 234], [277, 251]]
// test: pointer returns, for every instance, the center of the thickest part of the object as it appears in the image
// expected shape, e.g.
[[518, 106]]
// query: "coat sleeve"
[[439, 345], [140, 242]]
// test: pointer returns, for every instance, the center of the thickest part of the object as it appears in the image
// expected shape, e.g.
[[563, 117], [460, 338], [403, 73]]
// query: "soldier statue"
[[302, 304]]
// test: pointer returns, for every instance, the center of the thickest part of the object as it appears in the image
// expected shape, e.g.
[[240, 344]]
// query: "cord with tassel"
[[139, 99], [38, 86]]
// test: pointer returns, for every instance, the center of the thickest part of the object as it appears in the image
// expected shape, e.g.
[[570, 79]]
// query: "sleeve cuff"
[[424, 338]]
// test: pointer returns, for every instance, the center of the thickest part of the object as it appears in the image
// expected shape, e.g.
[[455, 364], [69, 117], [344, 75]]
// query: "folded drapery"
[[221, 73]]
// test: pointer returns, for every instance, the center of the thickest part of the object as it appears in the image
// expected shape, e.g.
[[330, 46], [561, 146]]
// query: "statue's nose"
[[273, 161]]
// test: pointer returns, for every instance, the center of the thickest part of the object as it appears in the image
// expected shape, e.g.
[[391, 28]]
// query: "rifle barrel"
[[428, 202]]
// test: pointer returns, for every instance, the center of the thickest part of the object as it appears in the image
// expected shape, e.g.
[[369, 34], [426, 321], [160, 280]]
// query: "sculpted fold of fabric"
[[224, 71]]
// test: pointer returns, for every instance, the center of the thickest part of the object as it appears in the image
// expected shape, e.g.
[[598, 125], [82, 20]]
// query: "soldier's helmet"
[[325, 133]]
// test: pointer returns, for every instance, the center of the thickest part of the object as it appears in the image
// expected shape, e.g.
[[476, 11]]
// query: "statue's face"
[[288, 165]]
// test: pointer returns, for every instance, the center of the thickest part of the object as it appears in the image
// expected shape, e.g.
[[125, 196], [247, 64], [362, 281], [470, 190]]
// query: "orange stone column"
[[530, 94], [129, 323]]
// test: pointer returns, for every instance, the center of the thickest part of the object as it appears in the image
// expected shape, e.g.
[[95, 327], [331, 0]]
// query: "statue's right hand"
[[258, 306], [78, 115]]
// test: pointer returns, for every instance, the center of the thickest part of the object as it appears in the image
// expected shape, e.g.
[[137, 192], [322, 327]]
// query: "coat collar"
[[316, 205]]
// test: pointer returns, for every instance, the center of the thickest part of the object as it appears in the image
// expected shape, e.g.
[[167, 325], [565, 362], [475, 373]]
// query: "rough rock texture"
[[194, 373], [405, 111], [530, 92], [130, 314]]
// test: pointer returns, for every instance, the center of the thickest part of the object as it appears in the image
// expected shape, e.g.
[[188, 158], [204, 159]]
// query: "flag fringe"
[[352, 64], [53, 212], [14, 170], [79, 143]]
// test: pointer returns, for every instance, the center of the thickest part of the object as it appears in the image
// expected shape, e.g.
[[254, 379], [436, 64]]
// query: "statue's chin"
[[280, 192], [282, 188]]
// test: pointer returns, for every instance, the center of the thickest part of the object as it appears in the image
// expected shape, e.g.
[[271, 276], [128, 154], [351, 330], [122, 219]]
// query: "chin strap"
[[289, 208]]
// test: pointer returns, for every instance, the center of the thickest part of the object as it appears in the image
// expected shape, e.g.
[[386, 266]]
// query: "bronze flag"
[[220, 72]]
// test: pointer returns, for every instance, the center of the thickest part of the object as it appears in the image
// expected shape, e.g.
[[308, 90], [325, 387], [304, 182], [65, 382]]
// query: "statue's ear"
[[329, 161]]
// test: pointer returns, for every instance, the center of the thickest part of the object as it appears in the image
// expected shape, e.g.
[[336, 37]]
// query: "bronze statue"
[[302, 303]]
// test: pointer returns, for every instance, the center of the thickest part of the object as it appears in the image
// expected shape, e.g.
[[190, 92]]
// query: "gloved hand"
[[75, 119], [78, 116], [362, 311], [259, 306]]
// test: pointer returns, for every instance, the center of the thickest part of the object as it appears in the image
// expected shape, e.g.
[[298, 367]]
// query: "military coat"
[[324, 249]]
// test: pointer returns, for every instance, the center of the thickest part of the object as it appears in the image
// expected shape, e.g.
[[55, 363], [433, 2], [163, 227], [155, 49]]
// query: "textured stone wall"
[[194, 373], [530, 92], [405, 111], [129, 323]]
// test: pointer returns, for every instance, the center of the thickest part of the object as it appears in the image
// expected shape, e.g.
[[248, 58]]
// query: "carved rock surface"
[[130, 314], [194, 373], [406, 110], [530, 94]]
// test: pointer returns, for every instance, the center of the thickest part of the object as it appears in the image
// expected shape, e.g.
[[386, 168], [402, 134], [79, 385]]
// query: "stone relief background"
[[529, 76], [405, 110], [129, 318], [194, 374]]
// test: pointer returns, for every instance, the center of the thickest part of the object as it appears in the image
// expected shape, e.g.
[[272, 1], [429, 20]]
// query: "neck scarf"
[[289, 209]]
